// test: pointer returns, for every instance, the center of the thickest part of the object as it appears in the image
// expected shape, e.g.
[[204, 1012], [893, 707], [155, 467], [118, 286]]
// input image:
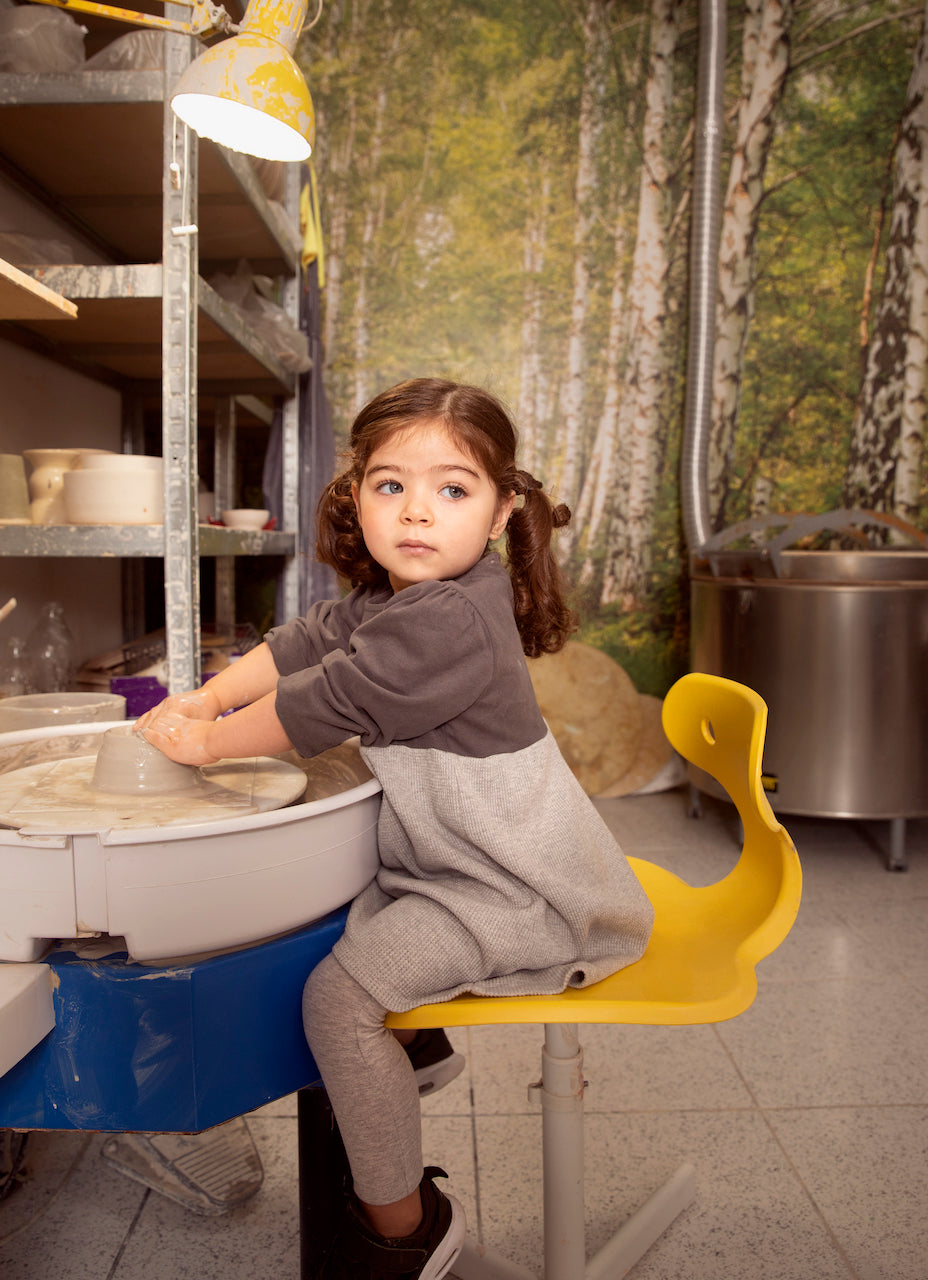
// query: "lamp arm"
[[207, 17]]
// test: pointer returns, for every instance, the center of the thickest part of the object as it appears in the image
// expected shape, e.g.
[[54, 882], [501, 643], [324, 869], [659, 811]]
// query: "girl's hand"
[[180, 737], [198, 704]]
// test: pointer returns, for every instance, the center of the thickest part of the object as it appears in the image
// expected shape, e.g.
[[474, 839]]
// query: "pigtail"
[[542, 615], [339, 541]]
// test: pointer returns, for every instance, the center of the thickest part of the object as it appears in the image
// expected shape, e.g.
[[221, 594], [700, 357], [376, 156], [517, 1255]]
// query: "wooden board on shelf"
[[120, 329], [22, 298]]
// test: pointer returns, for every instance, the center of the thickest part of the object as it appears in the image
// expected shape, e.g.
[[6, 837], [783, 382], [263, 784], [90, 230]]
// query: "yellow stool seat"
[[699, 967]]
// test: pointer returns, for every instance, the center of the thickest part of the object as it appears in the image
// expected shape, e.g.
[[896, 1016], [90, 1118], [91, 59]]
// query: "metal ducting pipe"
[[704, 255]]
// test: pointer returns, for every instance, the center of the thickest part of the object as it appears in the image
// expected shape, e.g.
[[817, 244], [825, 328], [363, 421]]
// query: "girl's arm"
[[255, 730], [246, 680]]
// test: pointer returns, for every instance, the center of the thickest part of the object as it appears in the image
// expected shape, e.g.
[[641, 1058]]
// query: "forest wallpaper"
[[506, 192]]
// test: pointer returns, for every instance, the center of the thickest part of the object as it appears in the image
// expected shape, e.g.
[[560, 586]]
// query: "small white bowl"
[[102, 496], [121, 462], [41, 710], [245, 518]]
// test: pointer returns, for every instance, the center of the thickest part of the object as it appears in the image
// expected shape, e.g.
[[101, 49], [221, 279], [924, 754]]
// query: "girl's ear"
[[503, 512], [354, 494]]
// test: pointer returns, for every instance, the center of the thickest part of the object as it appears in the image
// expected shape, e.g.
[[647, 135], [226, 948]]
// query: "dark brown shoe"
[[359, 1253], [434, 1060]]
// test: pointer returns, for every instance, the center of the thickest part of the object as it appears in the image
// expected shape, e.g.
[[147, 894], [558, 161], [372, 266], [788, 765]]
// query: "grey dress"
[[497, 874]]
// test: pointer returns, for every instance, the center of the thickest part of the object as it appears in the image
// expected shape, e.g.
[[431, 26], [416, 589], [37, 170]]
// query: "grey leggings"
[[370, 1083]]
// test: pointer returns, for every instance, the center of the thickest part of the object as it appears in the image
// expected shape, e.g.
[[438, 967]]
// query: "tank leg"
[[897, 859]]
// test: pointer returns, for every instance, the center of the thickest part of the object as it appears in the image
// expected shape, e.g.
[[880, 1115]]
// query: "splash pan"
[[59, 795], [255, 849]]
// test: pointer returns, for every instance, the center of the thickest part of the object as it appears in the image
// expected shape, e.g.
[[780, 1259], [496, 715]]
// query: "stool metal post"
[[561, 1097]]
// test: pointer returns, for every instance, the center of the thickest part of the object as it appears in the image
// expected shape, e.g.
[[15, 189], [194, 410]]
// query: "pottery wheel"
[[58, 796]]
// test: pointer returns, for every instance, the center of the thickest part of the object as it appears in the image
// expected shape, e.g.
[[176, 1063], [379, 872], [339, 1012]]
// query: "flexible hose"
[[704, 256]]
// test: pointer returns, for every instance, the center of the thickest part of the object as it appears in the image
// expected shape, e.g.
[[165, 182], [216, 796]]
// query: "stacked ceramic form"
[[114, 488], [46, 483], [14, 493]]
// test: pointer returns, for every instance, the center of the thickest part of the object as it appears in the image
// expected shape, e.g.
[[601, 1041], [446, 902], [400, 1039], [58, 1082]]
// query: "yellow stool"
[[698, 968]]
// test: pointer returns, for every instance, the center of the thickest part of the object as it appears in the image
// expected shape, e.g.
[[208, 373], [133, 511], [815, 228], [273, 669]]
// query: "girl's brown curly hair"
[[480, 427]]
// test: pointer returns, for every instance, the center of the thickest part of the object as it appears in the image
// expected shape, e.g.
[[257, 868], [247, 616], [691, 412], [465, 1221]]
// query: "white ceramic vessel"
[[104, 495], [121, 462], [46, 483], [179, 890], [245, 518], [14, 492]]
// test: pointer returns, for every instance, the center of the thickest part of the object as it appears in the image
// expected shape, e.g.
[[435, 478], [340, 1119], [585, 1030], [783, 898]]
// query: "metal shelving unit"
[[103, 151]]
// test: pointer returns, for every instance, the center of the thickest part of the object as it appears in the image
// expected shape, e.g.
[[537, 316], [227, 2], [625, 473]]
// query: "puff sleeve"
[[409, 667]]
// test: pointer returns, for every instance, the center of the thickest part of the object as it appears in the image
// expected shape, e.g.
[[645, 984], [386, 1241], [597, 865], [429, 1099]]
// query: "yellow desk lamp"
[[246, 93]]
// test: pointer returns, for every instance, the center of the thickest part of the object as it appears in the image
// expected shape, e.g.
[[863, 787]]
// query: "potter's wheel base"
[[209, 1173]]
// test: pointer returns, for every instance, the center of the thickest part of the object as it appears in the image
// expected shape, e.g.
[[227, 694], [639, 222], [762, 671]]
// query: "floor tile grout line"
[[111, 1274], [478, 1225], [829, 1231], [819, 1212]]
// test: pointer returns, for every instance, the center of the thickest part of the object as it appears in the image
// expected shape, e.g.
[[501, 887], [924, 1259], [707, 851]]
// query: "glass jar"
[[15, 669], [51, 651]]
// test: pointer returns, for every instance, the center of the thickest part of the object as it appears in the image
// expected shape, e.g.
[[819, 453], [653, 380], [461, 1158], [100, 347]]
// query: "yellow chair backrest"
[[719, 726]]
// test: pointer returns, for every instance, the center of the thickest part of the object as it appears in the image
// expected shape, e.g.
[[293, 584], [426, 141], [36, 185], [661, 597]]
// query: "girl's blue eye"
[[453, 491], [390, 486]]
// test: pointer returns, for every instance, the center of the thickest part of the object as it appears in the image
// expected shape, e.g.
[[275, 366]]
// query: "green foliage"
[[652, 656], [651, 643], [826, 180]]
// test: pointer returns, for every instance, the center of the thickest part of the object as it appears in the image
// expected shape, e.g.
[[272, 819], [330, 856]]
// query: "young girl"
[[497, 875]]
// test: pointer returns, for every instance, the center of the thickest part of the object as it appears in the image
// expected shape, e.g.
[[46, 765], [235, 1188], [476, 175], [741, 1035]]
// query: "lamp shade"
[[247, 93]]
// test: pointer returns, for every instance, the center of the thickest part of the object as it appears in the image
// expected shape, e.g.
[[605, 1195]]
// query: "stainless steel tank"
[[835, 643]]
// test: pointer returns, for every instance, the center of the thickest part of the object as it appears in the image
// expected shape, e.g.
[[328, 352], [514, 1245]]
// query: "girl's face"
[[427, 510]]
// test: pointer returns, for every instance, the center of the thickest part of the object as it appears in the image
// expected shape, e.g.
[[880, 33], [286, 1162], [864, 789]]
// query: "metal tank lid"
[[779, 558]]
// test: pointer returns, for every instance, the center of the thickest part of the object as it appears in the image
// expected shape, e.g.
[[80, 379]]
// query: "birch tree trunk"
[[336, 164], [598, 484], [530, 364], [628, 557], [373, 221], [884, 469], [590, 128], [765, 57]]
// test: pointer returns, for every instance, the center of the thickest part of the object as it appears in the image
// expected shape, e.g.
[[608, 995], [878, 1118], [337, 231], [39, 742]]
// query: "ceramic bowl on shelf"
[[41, 710], [121, 462], [245, 518], [105, 496]]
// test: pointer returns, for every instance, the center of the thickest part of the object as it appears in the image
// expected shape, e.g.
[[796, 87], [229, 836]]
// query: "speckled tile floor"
[[806, 1118]]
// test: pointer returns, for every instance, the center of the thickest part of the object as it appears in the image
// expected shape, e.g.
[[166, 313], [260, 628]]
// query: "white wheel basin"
[[183, 888]]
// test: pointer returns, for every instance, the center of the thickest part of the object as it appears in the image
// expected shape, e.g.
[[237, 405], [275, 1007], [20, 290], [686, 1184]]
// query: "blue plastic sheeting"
[[174, 1049]]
